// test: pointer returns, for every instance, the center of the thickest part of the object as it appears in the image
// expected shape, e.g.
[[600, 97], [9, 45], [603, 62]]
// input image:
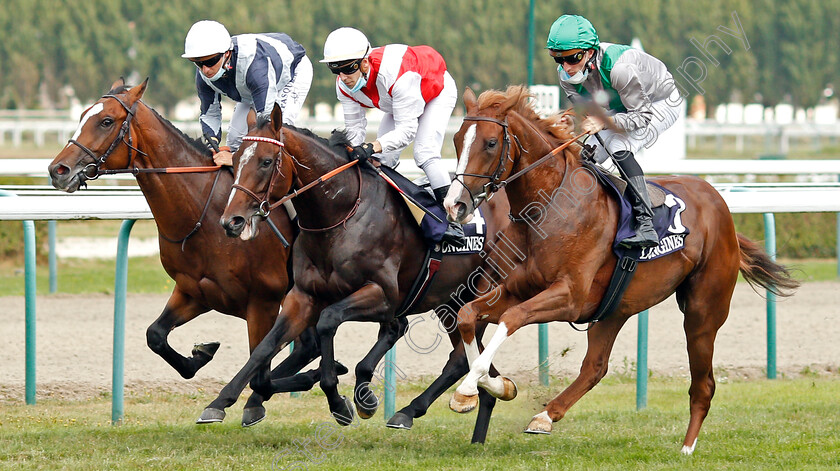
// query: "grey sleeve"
[[626, 80]]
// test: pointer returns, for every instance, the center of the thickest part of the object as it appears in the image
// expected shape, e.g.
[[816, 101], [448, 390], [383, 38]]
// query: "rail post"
[[770, 247], [641, 361], [30, 285], [120, 288]]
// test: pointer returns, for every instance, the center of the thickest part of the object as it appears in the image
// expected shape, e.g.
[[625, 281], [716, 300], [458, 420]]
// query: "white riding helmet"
[[345, 44], [206, 38]]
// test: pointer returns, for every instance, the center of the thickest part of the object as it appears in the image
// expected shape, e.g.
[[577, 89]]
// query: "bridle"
[[265, 206], [92, 171], [495, 182]]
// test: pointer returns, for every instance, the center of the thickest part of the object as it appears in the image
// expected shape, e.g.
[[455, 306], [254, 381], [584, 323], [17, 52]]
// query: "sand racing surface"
[[75, 341]]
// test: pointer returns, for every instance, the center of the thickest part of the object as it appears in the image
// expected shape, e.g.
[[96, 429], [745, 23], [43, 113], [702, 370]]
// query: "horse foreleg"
[[370, 304], [366, 401], [600, 340], [295, 317], [179, 310], [489, 306]]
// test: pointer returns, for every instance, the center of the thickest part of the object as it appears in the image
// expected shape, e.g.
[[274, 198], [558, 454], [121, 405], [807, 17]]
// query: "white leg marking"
[[93, 111], [246, 157], [495, 386], [457, 188], [469, 386], [687, 450], [481, 366]]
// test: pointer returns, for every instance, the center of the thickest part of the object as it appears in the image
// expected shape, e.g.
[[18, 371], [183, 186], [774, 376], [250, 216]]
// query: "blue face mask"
[[578, 78], [358, 86]]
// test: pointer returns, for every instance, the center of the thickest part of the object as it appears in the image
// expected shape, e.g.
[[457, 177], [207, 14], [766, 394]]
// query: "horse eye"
[[492, 143], [107, 122], [265, 163]]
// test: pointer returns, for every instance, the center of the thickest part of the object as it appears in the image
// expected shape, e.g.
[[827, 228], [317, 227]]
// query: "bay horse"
[[210, 270], [355, 259], [568, 258]]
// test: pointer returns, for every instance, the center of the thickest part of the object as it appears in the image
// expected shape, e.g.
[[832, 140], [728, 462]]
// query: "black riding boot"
[[643, 212], [454, 234]]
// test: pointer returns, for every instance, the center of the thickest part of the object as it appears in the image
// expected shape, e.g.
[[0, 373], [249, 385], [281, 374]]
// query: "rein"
[[495, 183], [265, 207]]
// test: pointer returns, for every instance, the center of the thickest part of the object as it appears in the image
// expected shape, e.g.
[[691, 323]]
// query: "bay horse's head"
[[102, 140], [263, 173], [496, 131]]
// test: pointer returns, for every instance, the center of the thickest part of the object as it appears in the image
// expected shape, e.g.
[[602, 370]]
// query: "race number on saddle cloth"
[[667, 210]]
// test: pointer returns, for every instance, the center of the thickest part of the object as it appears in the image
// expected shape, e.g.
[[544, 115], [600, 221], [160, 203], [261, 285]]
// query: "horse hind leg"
[[366, 401], [704, 315], [179, 310]]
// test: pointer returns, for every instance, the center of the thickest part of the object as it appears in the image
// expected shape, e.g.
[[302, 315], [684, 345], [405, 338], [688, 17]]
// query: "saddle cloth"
[[667, 211]]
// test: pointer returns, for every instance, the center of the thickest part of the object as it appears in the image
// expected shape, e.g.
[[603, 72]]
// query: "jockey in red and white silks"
[[417, 94]]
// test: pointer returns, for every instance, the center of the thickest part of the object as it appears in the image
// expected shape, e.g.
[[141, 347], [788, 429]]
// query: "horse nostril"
[[461, 210], [61, 169], [235, 223]]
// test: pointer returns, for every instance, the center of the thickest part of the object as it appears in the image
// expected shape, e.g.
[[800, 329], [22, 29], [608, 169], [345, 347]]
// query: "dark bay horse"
[[355, 259], [568, 258], [211, 271]]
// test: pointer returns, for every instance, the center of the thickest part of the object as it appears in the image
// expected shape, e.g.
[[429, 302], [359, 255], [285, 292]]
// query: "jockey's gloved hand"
[[362, 152], [212, 143]]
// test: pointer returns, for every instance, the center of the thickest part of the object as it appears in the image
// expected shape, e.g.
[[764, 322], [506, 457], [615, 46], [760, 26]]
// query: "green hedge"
[[798, 235]]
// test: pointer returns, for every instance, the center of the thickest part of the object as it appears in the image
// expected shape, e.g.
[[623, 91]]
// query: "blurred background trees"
[[48, 45]]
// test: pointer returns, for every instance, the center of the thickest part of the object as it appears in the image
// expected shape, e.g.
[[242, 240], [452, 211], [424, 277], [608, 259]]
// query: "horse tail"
[[761, 270]]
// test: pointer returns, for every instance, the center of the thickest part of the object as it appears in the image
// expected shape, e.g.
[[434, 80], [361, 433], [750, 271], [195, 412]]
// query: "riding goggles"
[[571, 59], [345, 68], [209, 62]]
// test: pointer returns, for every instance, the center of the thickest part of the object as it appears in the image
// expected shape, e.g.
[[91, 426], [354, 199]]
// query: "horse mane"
[[337, 142], [196, 144], [517, 98]]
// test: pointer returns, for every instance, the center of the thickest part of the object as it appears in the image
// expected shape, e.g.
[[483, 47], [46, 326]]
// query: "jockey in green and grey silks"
[[633, 81]]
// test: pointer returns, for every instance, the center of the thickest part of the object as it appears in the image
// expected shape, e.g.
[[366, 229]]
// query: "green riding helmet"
[[572, 32]]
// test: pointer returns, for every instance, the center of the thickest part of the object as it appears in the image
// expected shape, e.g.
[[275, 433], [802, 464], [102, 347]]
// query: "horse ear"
[[277, 118], [470, 101], [137, 92], [117, 84]]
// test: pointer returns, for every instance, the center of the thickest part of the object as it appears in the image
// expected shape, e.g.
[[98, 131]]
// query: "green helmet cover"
[[572, 32]]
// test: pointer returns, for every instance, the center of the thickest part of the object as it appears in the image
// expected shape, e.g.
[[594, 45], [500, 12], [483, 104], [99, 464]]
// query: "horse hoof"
[[462, 403], [252, 416], [366, 402], [207, 350], [211, 415], [400, 421], [509, 391], [689, 450], [345, 416], [540, 424]]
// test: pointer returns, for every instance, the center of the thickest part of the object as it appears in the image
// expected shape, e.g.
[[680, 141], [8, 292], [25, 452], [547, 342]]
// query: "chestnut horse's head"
[[488, 145], [263, 173], [101, 141]]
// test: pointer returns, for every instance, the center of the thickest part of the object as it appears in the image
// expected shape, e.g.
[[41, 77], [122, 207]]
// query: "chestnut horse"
[[211, 271], [568, 258], [355, 259]]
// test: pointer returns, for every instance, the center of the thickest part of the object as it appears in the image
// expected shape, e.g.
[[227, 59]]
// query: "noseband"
[[92, 170]]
